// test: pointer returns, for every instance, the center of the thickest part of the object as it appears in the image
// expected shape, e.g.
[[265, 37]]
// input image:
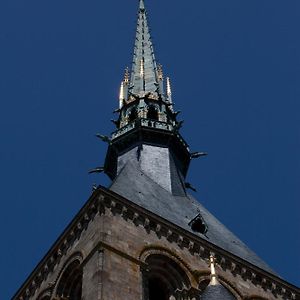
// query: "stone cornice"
[[103, 199], [59, 248], [198, 246]]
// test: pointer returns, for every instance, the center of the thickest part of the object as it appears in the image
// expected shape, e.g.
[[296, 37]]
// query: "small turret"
[[169, 93], [215, 290], [124, 89], [121, 97], [213, 275]]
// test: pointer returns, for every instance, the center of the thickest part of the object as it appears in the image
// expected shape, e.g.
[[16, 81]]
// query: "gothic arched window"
[[70, 283], [152, 113], [164, 278], [133, 114]]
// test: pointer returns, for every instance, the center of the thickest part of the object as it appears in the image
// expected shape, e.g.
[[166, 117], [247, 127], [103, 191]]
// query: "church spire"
[[147, 124], [144, 77], [142, 94]]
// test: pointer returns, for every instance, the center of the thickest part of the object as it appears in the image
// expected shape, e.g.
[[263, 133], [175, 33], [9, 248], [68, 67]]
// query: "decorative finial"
[[169, 91], [160, 74], [126, 76], [121, 97], [142, 5], [213, 275]]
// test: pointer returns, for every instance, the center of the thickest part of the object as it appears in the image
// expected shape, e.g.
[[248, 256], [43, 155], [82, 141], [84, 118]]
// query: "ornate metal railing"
[[156, 124], [143, 123], [150, 124], [123, 130]]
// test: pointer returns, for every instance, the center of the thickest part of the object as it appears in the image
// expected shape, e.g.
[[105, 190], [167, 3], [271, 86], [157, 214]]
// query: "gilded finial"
[[169, 91], [213, 275], [121, 96]]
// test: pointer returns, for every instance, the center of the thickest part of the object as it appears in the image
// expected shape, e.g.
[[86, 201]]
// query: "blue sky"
[[235, 71]]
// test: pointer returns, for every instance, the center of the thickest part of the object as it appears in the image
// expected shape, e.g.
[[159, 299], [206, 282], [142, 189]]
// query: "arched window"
[[157, 289], [133, 114], [152, 113], [164, 278], [70, 283]]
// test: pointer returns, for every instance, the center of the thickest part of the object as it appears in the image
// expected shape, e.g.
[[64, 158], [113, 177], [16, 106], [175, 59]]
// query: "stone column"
[[92, 283]]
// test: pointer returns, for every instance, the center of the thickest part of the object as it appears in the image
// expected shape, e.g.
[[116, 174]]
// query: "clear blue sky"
[[235, 70]]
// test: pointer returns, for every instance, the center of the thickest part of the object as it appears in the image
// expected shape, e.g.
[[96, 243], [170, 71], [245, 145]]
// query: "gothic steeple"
[[146, 119], [146, 77]]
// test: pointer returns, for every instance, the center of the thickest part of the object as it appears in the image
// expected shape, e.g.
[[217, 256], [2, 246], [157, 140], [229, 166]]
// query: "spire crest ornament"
[[142, 5], [121, 97], [169, 93]]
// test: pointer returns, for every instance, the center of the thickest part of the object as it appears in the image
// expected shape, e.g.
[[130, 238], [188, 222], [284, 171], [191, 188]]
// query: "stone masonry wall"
[[112, 245]]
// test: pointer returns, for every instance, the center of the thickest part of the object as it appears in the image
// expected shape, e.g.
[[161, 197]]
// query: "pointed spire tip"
[[142, 5]]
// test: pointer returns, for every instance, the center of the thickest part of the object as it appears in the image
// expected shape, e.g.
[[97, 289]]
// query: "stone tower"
[[145, 237]]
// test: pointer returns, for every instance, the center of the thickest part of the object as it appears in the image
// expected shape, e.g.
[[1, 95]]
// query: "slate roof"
[[216, 292], [132, 183]]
